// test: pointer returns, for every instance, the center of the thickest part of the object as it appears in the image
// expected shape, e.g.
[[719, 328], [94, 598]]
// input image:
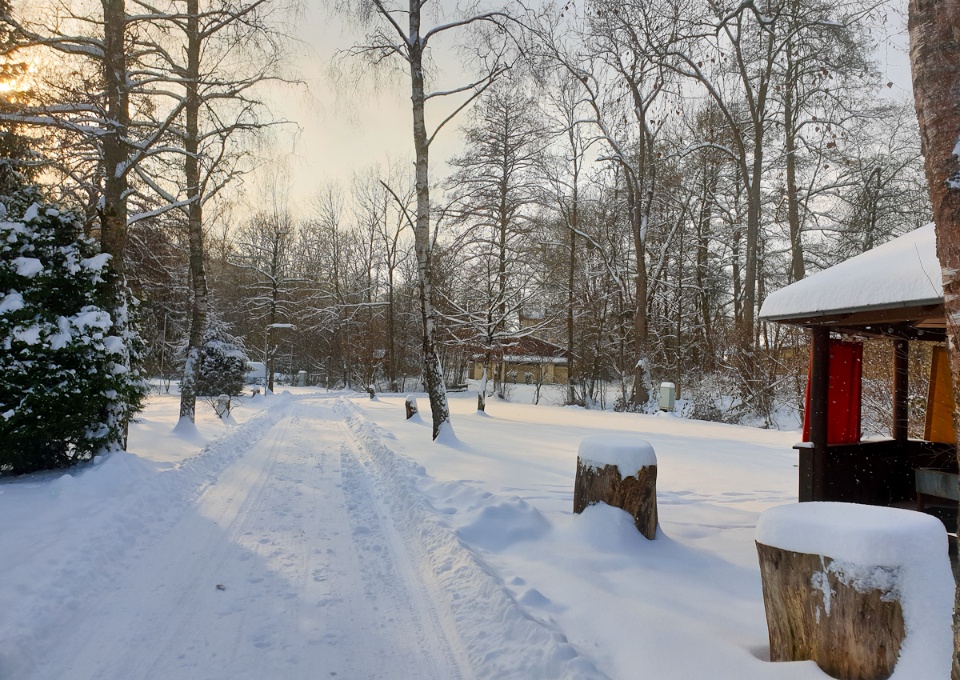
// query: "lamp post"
[[268, 372]]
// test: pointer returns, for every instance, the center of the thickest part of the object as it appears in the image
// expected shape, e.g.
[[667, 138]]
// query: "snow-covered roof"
[[902, 273]]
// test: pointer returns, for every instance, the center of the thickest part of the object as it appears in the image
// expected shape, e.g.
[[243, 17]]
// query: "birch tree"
[[411, 43], [264, 247]]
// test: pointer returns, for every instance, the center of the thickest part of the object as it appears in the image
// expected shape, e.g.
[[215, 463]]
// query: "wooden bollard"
[[410, 404], [860, 590], [622, 472]]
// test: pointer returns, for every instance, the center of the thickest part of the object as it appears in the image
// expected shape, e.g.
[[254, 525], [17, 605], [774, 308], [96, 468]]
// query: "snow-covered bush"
[[222, 364], [67, 388]]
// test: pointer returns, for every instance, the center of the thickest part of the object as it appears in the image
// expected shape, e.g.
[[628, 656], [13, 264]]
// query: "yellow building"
[[528, 360]]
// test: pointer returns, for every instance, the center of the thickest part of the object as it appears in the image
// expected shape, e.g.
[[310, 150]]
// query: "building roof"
[[898, 282], [529, 349]]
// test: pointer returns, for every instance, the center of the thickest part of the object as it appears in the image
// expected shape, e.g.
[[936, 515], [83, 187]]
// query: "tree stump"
[[371, 390], [816, 610], [841, 581], [410, 404], [621, 472]]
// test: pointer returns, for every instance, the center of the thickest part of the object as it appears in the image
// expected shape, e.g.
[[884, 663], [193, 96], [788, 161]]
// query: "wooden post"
[[901, 390], [819, 390]]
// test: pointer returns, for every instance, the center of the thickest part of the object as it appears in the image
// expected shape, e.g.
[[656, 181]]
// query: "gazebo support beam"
[[901, 390], [815, 487]]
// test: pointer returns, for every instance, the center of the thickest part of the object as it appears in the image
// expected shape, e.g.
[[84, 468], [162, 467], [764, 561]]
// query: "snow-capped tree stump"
[[410, 404], [622, 472], [372, 391], [858, 589]]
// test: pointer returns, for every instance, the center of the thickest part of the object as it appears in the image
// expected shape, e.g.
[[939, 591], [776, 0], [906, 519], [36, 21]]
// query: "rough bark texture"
[[935, 60], [113, 209], [635, 494], [851, 635]]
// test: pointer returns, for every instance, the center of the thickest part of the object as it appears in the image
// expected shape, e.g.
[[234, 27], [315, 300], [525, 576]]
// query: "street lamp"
[[268, 382]]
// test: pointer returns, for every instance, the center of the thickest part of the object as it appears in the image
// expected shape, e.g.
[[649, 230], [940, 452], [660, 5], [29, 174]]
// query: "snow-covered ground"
[[322, 535]]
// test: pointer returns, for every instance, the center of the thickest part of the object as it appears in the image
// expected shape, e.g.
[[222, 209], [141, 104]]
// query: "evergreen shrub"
[[68, 385]]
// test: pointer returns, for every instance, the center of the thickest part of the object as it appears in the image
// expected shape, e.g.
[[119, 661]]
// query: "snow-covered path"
[[346, 544], [287, 565]]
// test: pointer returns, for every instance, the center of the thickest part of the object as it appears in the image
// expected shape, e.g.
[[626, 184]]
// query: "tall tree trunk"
[[112, 205], [113, 210], [935, 58], [710, 179], [797, 270], [270, 351], [737, 271], [391, 335], [432, 371], [639, 394], [571, 380], [198, 278], [754, 197]]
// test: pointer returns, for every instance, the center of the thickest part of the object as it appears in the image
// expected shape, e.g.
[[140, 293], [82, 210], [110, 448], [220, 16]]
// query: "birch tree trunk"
[[432, 371], [198, 279], [935, 60]]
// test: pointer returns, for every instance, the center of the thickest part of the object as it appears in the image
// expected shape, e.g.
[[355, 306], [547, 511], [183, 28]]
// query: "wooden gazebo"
[[893, 291]]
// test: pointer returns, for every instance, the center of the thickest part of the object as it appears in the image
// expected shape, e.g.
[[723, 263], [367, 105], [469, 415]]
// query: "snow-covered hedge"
[[66, 383]]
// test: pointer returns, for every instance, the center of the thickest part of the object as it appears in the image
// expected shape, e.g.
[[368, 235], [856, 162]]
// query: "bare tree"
[[263, 250], [494, 188], [220, 108], [394, 195], [563, 171], [91, 109], [411, 44]]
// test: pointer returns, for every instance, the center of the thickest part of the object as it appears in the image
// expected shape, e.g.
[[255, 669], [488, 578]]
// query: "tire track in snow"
[[306, 566], [502, 640], [367, 510]]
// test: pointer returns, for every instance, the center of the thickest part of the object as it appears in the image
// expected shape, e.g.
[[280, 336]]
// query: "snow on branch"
[[487, 16]]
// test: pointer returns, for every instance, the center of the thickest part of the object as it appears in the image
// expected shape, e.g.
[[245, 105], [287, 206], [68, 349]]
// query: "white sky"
[[346, 129], [348, 124]]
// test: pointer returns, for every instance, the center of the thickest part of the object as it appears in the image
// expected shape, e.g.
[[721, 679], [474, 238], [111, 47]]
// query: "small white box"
[[668, 396]]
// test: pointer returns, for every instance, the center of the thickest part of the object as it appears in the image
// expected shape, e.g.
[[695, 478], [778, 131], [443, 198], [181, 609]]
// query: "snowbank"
[[501, 639]]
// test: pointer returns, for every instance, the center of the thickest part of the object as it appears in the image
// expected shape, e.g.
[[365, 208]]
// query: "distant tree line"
[[634, 178]]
